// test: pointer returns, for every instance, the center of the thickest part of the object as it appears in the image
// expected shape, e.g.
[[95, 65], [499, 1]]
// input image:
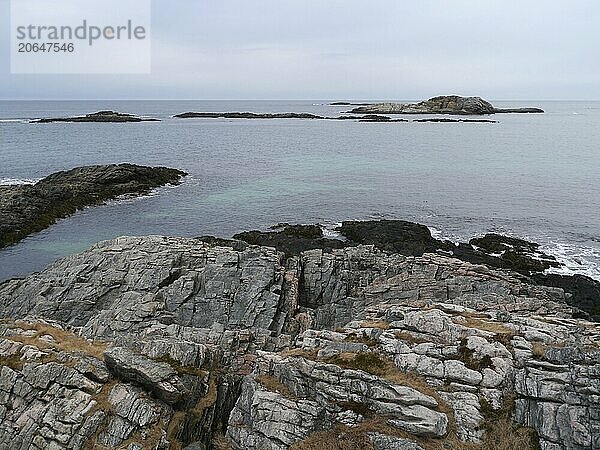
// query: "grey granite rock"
[[157, 377], [204, 341]]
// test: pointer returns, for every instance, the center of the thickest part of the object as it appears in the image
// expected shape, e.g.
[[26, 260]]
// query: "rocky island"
[[367, 117], [445, 104], [385, 339], [100, 116], [245, 115], [25, 209]]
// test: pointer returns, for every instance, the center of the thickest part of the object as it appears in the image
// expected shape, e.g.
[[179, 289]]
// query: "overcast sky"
[[347, 49]]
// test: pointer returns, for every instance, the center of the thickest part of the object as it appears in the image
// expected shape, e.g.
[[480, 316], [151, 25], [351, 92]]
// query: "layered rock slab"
[[380, 348]]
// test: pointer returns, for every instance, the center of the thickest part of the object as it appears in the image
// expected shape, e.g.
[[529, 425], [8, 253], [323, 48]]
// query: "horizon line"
[[6, 99]]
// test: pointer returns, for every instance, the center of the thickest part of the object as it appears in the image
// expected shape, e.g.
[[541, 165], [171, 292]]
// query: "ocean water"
[[534, 176]]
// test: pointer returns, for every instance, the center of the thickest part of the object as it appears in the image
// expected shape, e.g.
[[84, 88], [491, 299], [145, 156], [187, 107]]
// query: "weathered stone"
[[158, 377], [210, 339]]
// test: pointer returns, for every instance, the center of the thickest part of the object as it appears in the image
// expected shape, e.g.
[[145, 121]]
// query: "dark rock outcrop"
[[291, 239], [446, 120], [348, 104], [246, 115], [396, 236], [100, 116], [519, 255], [445, 104], [25, 209], [585, 291], [378, 118]]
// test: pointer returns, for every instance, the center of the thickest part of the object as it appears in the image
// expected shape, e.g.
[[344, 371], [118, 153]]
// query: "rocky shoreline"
[[412, 239], [162, 342], [382, 338], [25, 209]]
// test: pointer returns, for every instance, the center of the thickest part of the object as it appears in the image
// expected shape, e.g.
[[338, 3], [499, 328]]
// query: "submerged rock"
[[25, 209], [445, 104], [100, 116]]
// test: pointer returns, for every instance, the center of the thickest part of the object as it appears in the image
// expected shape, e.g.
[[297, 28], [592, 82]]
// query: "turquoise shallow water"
[[534, 176]]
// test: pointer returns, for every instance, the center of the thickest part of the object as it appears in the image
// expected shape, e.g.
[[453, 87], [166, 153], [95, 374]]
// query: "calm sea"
[[534, 176]]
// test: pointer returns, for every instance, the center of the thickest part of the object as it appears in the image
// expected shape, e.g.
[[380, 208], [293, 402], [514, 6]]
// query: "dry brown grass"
[[63, 340], [503, 334], [382, 325], [343, 437], [409, 338], [151, 440], [369, 362], [101, 398], [102, 404], [274, 385], [181, 369], [14, 362], [486, 325], [299, 352], [539, 350], [174, 428], [501, 433], [180, 418], [339, 438], [219, 442], [211, 396], [362, 339], [504, 434]]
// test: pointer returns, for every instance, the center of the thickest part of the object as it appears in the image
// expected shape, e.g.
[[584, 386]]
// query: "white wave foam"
[[17, 181], [14, 120], [574, 259], [330, 232], [435, 233], [130, 198]]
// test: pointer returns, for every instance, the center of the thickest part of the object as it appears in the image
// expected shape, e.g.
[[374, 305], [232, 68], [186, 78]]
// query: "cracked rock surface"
[[158, 342]]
